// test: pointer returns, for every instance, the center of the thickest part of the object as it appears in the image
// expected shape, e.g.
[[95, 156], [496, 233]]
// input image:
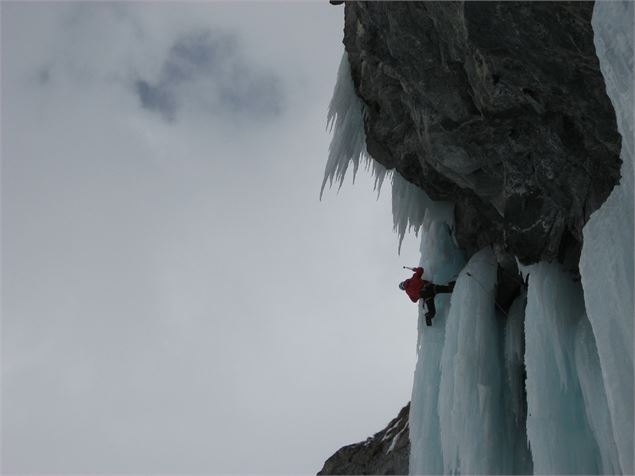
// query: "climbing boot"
[[429, 317]]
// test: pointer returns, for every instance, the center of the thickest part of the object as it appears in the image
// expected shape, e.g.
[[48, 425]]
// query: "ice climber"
[[417, 288]]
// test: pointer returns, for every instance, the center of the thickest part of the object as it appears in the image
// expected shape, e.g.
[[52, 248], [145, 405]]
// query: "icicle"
[[470, 393], [411, 205], [346, 120], [595, 402], [412, 208]]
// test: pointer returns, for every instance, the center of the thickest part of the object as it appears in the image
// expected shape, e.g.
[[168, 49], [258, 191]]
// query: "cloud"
[[170, 287], [156, 99], [208, 71]]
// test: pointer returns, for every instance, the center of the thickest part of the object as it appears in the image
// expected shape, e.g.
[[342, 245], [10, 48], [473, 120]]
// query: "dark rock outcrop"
[[499, 107], [387, 452]]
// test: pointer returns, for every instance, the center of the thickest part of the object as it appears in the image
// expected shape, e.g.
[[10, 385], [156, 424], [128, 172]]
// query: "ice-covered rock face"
[[537, 379], [498, 107]]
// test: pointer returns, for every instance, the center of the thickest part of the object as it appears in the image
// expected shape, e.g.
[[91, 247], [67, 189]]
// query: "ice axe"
[[406, 267]]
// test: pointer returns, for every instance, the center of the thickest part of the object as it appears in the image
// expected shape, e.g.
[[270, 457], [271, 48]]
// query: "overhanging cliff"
[[498, 107]]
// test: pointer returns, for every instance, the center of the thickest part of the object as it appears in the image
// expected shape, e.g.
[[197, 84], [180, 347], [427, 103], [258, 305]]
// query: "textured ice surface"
[[470, 395], [467, 411], [559, 435], [606, 264], [442, 261], [595, 403]]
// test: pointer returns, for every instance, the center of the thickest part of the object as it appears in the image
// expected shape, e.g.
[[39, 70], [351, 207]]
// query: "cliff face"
[[386, 452], [499, 107]]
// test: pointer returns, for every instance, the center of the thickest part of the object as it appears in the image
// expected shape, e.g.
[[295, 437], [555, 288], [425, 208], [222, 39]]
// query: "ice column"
[[606, 264], [559, 435], [442, 261], [470, 394]]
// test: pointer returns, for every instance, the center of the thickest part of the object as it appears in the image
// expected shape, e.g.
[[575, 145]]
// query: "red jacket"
[[413, 285]]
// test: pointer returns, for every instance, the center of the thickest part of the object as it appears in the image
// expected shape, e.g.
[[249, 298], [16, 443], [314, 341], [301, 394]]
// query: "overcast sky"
[[175, 297]]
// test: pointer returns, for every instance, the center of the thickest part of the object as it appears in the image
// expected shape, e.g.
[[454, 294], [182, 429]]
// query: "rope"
[[514, 277], [484, 289]]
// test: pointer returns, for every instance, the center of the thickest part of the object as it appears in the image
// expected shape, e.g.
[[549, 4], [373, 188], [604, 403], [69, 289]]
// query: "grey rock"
[[387, 452], [499, 107]]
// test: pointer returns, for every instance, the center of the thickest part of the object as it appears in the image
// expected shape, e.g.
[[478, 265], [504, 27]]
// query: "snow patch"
[[394, 440]]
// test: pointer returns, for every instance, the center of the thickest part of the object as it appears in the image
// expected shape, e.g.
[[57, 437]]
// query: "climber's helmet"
[[402, 285]]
